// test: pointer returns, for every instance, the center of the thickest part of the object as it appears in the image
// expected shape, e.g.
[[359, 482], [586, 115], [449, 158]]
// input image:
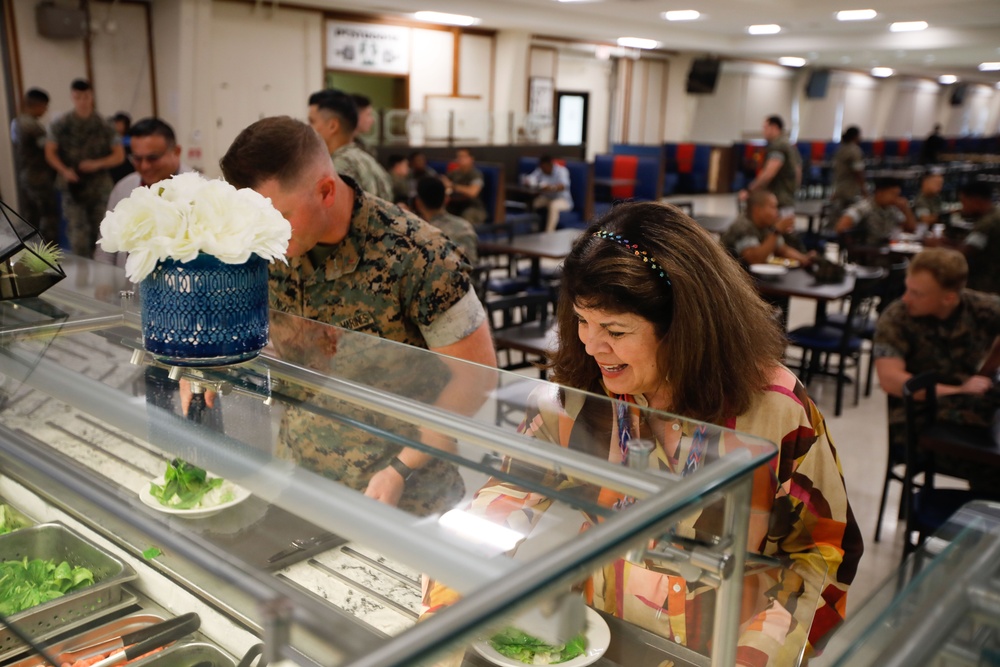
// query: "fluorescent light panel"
[[791, 61], [447, 19], [764, 29], [856, 15], [681, 15], [945, 79], [882, 72], [989, 67], [638, 42], [907, 26]]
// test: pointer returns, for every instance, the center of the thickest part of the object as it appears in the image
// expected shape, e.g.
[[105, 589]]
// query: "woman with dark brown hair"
[[654, 313]]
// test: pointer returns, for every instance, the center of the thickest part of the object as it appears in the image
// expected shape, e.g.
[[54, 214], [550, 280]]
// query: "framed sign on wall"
[[367, 47], [541, 94]]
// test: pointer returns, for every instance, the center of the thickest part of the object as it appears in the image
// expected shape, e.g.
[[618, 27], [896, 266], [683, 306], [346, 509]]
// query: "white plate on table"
[[908, 247], [768, 270], [239, 494], [598, 640]]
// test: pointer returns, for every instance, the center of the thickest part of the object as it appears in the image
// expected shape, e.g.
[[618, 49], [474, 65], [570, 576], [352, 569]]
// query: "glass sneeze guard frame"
[[389, 530]]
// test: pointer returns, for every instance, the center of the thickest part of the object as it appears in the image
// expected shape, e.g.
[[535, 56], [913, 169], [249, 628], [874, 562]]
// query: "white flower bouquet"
[[188, 214]]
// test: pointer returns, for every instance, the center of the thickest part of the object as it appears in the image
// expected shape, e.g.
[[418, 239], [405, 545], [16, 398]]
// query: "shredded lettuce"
[[530, 650]]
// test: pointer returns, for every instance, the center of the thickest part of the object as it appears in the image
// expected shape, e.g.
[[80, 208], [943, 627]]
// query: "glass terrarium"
[[29, 264]]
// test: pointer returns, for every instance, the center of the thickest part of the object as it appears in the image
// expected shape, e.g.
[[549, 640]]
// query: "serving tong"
[[137, 643]]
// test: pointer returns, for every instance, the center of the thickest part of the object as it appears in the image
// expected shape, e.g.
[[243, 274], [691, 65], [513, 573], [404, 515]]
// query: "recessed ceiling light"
[[989, 67], [638, 42], [791, 61], [856, 15], [907, 26], [882, 72], [945, 79], [447, 19], [764, 29], [681, 15]]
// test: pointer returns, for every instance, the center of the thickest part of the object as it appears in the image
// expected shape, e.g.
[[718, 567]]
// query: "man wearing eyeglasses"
[[156, 157]]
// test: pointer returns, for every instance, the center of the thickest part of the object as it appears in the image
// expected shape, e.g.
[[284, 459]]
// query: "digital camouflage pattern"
[[847, 162], [350, 160], [874, 225], [743, 234], [785, 182], [86, 200], [35, 178], [925, 205], [984, 265], [392, 274], [460, 232], [473, 210], [955, 348]]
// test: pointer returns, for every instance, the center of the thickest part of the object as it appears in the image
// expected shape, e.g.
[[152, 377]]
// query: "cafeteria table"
[[543, 245]]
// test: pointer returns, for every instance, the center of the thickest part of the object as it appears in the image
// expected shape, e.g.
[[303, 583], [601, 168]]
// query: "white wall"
[[580, 73]]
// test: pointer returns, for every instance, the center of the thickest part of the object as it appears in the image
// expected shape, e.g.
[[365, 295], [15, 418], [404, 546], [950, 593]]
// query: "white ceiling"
[[962, 33]]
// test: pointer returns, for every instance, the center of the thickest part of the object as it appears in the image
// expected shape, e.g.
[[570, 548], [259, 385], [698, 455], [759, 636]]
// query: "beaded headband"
[[634, 249]]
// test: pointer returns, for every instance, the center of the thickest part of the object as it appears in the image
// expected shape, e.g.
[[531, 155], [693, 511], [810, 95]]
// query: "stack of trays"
[[57, 542]]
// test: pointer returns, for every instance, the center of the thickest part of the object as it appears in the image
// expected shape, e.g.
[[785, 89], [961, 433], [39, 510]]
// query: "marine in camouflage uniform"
[[874, 224], [472, 209], [848, 161], [35, 178], [394, 277], [84, 202], [786, 181], [352, 161], [955, 348], [984, 265], [928, 205]]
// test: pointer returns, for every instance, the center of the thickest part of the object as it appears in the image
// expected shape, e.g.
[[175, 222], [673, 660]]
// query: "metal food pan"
[[57, 542], [189, 654], [92, 636]]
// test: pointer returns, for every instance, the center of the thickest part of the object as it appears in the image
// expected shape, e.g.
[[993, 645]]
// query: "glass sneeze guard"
[[304, 426]]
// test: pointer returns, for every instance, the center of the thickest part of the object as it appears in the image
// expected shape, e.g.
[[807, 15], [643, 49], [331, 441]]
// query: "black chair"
[[927, 508], [895, 471], [820, 340], [892, 287], [522, 326]]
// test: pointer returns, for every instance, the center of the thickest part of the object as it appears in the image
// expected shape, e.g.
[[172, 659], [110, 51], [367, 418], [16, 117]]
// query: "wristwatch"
[[405, 471]]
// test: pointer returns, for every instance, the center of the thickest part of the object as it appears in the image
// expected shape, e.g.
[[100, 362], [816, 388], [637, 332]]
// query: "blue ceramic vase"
[[205, 312]]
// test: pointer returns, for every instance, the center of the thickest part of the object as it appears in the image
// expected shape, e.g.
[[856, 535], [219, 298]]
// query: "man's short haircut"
[[430, 190], [36, 96], [338, 103], [395, 159], [361, 101], [886, 182], [545, 159], [150, 127], [122, 117], [279, 148], [80, 85], [977, 190], [414, 154], [776, 121], [852, 134], [948, 267], [466, 150], [758, 198]]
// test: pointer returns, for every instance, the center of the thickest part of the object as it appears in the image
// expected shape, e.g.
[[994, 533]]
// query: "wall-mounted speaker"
[[60, 22]]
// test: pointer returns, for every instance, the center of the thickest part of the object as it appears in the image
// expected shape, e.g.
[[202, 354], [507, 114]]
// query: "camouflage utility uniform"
[[84, 202], [785, 182], [743, 234], [394, 277], [984, 265], [472, 209], [874, 225], [460, 232], [848, 161], [350, 160], [925, 205], [954, 348], [35, 178]]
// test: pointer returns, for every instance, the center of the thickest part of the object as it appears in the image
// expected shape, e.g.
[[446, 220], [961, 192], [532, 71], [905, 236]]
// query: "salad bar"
[[233, 492]]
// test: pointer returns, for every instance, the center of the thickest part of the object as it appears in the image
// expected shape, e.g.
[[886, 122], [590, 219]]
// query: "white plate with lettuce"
[[188, 491], [513, 648]]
